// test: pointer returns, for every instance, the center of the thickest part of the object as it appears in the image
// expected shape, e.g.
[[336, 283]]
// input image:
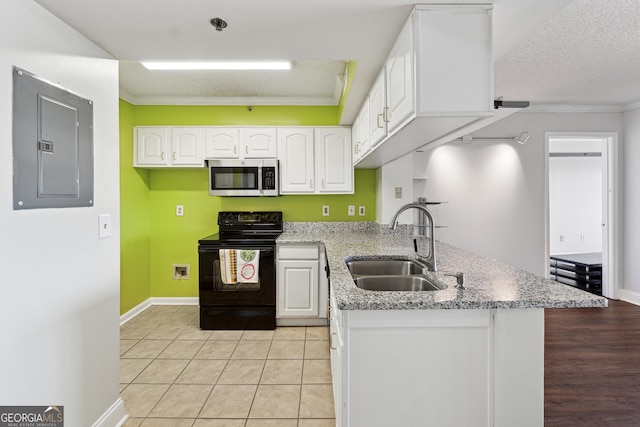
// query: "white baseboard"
[[114, 416], [301, 322], [156, 301], [629, 296]]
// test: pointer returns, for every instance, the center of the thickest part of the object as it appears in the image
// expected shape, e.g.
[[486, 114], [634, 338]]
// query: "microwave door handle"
[[260, 179]]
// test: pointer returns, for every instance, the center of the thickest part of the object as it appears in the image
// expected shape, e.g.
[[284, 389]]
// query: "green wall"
[[172, 239]]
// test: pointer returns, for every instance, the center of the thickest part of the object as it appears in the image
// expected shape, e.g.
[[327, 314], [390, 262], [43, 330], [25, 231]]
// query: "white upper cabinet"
[[259, 142], [240, 143], [186, 146], [377, 110], [151, 146], [222, 143], [360, 132], [315, 163], [438, 78], [399, 68], [334, 171], [295, 152], [165, 146]]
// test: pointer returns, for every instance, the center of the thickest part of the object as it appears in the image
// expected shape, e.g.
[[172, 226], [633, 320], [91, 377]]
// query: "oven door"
[[247, 287]]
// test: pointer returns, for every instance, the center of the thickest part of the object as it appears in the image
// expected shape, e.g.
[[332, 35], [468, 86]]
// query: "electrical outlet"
[[325, 210], [351, 210], [179, 210], [561, 238], [582, 237], [181, 271], [361, 210], [104, 226], [398, 192]]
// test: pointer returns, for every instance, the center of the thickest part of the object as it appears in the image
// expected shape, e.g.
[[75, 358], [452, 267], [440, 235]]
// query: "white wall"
[[394, 174], [495, 189], [575, 198], [631, 244], [59, 315]]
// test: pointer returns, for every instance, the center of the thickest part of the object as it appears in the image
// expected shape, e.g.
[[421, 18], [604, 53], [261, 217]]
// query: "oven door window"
[[234, 178]]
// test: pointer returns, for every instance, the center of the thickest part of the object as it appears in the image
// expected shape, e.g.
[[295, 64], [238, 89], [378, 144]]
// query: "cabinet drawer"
[[298, 252]]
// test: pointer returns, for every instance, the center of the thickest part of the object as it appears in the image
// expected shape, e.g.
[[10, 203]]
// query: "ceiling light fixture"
[[217, 65], [218, 23], [520, 139]]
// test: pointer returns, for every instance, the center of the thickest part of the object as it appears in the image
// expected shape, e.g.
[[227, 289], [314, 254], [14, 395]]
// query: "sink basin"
[[396, 283], [383, 267]]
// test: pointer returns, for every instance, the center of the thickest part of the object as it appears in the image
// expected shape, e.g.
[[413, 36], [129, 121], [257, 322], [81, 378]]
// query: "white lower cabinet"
[[438, 367], [301, 285]]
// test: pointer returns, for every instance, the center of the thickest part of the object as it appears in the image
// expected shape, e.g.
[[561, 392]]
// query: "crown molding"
[[229, 101], [631, 106]]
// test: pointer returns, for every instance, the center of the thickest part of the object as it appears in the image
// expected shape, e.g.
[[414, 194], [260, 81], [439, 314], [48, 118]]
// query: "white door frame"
[[610, 218]]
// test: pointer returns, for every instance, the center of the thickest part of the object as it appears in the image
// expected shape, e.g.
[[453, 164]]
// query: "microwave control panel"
[[268, 178]]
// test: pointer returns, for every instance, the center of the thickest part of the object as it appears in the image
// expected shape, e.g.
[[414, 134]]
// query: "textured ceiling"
[[546, 51], [589, 53]]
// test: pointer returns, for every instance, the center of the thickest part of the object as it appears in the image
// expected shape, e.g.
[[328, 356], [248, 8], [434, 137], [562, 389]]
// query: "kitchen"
[[145, 224]]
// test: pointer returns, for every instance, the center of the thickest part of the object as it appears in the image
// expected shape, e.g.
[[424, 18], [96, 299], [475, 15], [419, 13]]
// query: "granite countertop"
[[489, 283]]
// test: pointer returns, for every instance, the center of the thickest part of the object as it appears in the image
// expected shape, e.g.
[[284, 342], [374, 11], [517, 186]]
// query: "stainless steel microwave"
[[250, 177]]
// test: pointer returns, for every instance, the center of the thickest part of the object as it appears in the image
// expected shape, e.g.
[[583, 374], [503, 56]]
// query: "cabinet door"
[[151, 146], [222, 143], [186, 146], [298, 288], [259, 143], [361, 134], [334, 169], [377, 105], [400, 79], [336, 354], [295, 152]]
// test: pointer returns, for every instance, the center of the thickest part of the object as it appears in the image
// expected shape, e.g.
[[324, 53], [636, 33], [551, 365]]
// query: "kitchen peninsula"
[[451, 357]]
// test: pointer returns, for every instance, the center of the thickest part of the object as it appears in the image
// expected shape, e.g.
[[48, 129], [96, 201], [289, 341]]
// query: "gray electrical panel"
[[52, 145]]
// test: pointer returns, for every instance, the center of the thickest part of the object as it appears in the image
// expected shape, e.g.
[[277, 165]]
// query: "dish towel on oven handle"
[[248, 265], [228, 266]]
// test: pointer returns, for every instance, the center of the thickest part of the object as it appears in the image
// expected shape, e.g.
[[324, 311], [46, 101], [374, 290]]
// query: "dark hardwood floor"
[[592, 366]]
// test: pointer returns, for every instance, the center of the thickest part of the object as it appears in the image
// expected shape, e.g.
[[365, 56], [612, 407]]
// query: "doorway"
[[581, 209]]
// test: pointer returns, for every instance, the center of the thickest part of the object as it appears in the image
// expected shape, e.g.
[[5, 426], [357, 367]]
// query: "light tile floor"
[[173, 374]]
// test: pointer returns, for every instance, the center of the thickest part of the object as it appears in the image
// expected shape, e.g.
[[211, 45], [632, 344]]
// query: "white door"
[[298, 288], [186, 146], [151, 146], [334, 169], [259, 143], [400, 79], [377, 106], [222, 143], [582, 199], [295, 152]]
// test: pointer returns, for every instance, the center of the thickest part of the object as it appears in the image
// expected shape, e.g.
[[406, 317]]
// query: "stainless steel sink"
[[397, 283], [383, 267]]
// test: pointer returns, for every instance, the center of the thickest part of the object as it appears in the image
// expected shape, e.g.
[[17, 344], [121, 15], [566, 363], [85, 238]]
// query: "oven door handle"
[[265, 250]]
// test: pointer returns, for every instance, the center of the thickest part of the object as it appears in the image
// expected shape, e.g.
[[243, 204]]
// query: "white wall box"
[[156, 146], [240, 143], [437, 79], [302, 286], [396, 367], [315, 161]]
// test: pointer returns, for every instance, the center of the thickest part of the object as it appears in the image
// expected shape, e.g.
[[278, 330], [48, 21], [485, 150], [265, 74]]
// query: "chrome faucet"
[[430, 259]]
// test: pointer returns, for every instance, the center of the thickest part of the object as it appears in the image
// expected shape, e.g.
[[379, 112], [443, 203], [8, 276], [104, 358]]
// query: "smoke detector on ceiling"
[[218, 23]]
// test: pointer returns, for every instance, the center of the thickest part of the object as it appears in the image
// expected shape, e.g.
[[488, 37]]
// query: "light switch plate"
[[351, 210], [398, 192], [104, 226]]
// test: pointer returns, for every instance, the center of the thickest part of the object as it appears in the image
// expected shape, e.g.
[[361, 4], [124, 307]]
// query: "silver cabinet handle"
[[322, 183], [331, 342], [385, 114], [246, 149], [329, 311], [311, 183], [235, 149], [162, 156], [174, 155], [378, 117]]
